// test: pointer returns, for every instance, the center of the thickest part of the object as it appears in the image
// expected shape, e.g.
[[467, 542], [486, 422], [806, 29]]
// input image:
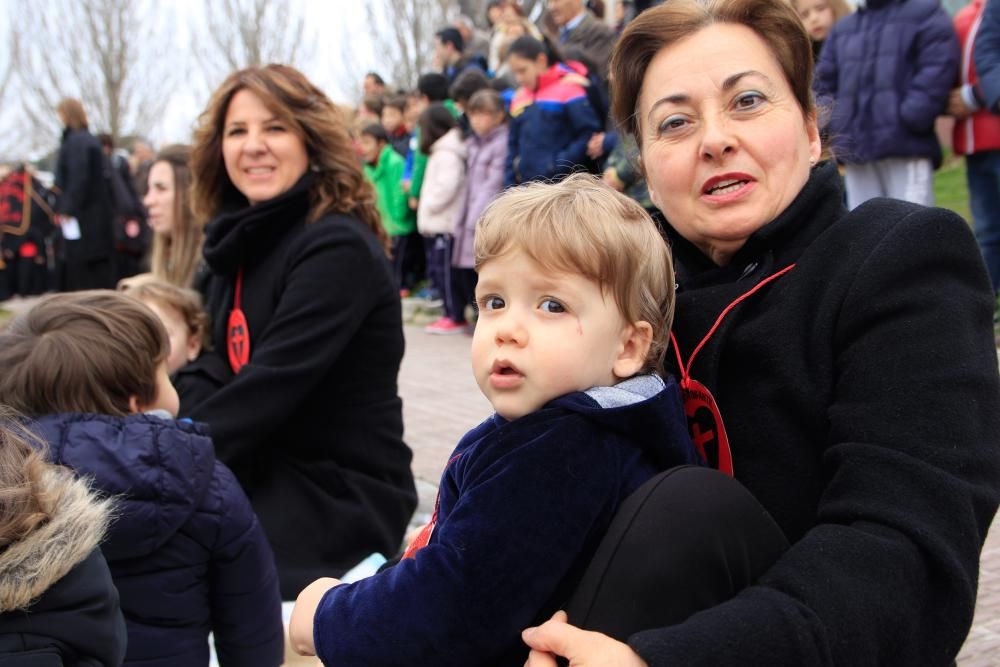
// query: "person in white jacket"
[[441, 200]]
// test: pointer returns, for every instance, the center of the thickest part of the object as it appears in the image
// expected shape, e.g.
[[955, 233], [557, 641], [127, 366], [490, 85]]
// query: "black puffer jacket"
[[58, 606]]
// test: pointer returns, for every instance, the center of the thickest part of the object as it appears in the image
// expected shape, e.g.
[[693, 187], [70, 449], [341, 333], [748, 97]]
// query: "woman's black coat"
[[312, 426], [861, 398]]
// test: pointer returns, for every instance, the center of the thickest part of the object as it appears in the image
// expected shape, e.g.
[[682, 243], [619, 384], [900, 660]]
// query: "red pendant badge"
[[237, 330], [708, 432], [237, 340]]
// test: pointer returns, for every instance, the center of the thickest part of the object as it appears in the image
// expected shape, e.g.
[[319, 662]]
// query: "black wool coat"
[[85, 193], [861, 398], [312, 426]]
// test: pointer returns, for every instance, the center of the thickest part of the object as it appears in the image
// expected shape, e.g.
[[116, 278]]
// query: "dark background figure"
[[577, 26], [132, 234], [85, 208], [26, 230], [450, 56]]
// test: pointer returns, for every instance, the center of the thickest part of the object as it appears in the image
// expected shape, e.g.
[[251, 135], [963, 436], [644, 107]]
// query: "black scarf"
[[239, 236]]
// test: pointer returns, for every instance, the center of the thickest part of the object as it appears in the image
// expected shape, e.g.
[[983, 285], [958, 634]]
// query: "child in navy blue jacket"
[[575, 297], [185, 550]]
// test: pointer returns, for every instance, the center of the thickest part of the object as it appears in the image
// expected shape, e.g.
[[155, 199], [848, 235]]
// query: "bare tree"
[[243, 33], [104, 52], [402, 37]]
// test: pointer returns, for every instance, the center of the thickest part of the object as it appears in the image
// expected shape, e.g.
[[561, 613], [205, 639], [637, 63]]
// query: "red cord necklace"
[[708, 432]]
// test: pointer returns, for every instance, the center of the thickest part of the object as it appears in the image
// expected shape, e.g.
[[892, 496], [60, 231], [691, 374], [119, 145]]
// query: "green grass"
[[950, 190], [4, 316]]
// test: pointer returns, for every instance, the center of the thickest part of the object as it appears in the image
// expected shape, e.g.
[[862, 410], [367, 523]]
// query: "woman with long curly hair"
[[307, 318]]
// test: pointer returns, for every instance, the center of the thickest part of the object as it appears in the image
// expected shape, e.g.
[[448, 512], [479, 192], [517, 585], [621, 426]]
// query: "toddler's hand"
[[300, 627]]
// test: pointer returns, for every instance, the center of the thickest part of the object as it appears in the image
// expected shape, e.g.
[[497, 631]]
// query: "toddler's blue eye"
[[493, 303], [552, 306]]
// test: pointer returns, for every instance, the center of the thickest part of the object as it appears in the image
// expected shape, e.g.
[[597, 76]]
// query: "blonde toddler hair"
[[582, 226]]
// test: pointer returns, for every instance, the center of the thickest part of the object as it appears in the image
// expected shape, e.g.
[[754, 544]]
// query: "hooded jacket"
[[387, 175], [58, 606], [550, 127], [443, 190], [185, 551], [521, 508], [887, 70], [486, 158]]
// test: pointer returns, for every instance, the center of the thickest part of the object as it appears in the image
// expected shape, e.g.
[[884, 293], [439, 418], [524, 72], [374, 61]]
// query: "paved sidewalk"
[[441, 402]]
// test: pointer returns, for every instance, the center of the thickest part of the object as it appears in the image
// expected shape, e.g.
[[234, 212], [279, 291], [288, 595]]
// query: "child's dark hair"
[[485, 101], [451, 35], [434, 86], [397, 102], [467, 83], [529, 48], [373, 103], [89, 351], [376, 132], [434, 123]]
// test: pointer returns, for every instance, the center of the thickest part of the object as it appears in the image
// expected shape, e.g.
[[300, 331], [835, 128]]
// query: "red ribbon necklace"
[[237, 330], [708, 432]]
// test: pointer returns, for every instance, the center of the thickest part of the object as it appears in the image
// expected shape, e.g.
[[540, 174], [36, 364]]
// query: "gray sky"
[[329, 22]]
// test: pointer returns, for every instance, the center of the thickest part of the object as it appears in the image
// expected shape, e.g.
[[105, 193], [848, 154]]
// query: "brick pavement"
[[441, 402]]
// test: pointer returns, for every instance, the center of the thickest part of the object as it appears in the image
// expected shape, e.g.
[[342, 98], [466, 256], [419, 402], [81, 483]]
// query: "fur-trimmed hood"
[[31, 566]]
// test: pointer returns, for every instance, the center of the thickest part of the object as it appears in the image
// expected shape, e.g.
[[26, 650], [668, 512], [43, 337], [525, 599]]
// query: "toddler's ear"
[[133, 405], [193, 347], [636, 339]]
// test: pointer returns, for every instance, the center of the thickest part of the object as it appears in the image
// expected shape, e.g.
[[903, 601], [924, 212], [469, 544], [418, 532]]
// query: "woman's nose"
[[254, 142], [717, 140]]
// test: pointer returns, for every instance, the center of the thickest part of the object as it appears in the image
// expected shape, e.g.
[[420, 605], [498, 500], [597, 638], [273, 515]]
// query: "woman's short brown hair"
[[775, 21], [85, 351], [340, 185], [72, 113]]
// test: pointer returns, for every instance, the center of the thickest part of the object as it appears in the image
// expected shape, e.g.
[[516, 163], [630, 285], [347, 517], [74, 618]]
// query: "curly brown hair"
[[340, 185]]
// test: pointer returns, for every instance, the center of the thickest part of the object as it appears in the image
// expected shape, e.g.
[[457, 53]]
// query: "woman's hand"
[[581, 648], [300, 626]]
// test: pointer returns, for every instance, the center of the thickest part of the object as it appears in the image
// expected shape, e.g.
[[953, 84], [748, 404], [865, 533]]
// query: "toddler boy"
[[575, 299]]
